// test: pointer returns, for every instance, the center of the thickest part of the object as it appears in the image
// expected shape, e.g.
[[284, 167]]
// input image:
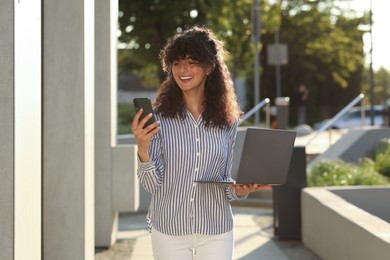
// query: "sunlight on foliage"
[[340, 173]]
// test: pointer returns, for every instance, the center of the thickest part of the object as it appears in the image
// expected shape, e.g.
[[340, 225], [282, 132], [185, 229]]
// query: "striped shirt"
[[184, 151]]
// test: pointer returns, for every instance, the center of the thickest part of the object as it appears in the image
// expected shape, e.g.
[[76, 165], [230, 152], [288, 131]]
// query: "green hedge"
[[340, 173], [382, 161]]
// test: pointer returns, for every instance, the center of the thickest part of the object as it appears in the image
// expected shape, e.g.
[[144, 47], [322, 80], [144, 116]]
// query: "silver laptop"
[[265, 157]]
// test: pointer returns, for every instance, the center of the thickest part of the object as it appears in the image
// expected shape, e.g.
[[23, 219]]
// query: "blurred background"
[[329, 46]]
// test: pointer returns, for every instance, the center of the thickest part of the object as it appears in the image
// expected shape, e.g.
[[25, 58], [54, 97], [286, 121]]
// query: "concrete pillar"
[[20, 130], [106, 220], [126, 188], [116, 184], [7, 130], [68, 129]]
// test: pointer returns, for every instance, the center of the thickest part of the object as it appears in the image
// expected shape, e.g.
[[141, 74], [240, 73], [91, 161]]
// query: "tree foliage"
[[146, 25], [325, 45], [325, 53]]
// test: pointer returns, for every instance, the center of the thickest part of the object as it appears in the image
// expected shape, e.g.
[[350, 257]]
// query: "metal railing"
[[338, 116], [248, 114]]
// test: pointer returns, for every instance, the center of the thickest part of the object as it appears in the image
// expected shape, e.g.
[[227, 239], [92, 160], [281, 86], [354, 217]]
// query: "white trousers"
[[193, 247]]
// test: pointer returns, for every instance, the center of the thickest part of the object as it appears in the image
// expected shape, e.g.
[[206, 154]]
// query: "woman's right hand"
[[244, 189], [143, 135]]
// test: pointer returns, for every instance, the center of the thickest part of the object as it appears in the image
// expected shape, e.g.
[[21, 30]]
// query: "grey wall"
[[374, 200], [335, 229], [20, 130], [105, 120], [68, 129], [6, 129]]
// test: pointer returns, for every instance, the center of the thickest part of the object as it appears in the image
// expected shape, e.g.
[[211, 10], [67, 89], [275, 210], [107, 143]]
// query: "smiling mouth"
[[185, 78]]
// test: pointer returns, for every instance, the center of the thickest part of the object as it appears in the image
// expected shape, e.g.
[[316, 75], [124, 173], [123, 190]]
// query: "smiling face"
[[189, 75]]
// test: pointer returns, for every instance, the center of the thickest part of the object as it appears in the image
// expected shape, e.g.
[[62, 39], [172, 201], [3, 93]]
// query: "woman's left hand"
[[244, 189]]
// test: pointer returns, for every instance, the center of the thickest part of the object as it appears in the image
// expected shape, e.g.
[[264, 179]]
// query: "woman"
[[193, 138]]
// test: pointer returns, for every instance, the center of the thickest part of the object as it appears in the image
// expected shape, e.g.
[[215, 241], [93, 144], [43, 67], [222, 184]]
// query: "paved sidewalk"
[[253, 231]]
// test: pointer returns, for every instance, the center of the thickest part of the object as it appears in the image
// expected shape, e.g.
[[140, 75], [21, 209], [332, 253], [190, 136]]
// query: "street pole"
[[278, 55], [371, 71], [277, 66], [256, 35]]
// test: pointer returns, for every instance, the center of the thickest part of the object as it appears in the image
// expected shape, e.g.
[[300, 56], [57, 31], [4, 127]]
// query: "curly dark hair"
[[200, 44]]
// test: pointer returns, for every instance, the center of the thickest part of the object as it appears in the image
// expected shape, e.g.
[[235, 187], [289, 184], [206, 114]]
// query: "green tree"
[[145, 26], [325, 52], [382, 85], [325, 44]]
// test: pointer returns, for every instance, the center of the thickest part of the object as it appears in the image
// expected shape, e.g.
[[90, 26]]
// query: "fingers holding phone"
[[144, 126], [144, 118], [146, 105]]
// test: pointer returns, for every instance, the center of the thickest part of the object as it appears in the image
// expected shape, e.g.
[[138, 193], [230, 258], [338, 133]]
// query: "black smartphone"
[[146, 105]]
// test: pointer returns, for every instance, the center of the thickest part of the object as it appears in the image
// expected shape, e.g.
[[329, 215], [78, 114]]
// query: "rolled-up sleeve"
[[231, 194]]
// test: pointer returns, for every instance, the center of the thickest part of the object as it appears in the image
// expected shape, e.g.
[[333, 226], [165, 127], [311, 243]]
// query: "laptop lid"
[[263, 156], [266, 156]]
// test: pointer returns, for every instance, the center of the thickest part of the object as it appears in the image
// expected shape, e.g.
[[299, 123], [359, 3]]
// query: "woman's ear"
[[209, 70]]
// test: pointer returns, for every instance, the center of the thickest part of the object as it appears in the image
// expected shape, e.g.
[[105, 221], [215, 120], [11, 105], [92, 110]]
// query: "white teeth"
[[185, 77]]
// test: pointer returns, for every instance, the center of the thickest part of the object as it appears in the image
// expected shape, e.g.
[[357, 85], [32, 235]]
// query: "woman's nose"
[[183, 67]]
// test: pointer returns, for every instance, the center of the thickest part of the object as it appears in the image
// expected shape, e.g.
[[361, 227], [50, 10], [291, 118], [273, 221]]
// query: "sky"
[[380, 31]]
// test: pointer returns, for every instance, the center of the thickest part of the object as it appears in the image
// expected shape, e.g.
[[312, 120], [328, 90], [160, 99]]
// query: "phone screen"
[[146, 105]]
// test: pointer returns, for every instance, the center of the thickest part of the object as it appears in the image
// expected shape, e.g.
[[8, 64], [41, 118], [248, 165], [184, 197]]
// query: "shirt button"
[[197, 154]]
